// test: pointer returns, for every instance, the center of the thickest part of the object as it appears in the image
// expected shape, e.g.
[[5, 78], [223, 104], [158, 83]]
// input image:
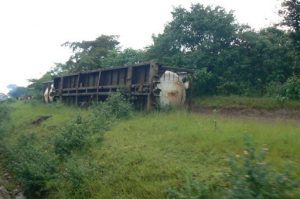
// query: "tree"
[[291, 19], [36, 86], [200, 38], [260, 58], [89, 55], [195, 37], [231, 58], [128, 56]]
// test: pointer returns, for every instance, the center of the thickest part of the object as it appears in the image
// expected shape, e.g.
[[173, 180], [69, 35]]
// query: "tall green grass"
[[145, 156], [142, 157]]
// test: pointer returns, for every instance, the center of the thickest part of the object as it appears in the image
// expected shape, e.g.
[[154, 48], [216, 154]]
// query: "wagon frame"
[[138, 80]]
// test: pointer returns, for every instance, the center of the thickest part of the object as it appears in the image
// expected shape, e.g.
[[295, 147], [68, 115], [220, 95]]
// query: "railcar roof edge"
[[188, 70]]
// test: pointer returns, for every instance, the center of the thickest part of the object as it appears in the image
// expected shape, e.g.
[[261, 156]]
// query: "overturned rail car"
[[148, 84]]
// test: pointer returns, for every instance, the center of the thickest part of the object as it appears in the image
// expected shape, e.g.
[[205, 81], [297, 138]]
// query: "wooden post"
[[98, 84], [61, 87], [77, 85], [153, 71], [129, 78]]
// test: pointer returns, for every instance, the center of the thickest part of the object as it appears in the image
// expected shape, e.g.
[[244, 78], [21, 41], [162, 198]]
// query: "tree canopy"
[[291, 19], [89, 55], [237, 59]]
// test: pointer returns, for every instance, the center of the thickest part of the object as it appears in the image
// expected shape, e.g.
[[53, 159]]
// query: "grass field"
[[145, 155], [155, 152], [246, 102]]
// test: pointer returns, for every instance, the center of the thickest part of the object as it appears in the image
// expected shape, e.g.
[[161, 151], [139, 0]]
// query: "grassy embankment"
[[246, 102], [144, 156]]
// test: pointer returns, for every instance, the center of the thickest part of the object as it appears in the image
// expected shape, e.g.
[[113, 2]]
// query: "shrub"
[[100, 120], [228, 88], [104, 114], [204, 82], [75, 176], [32, 166], [192, 189], [118, 105], [42, 169], [4, 113], [73, 137], [291, 88], [4, 117], [251, 177], [274, 89]]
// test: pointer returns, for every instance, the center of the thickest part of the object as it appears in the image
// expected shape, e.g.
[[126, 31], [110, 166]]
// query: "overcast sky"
[[32, 31]]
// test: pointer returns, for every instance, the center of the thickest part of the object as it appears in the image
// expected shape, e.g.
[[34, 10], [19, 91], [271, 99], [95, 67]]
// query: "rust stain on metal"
[[173, 94]]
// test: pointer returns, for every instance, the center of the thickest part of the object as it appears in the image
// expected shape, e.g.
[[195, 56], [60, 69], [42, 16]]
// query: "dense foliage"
[[228, 57], [104, 51], [4, 113], [41, 167], [73, 137], [4, 117], [138, 158], [291, 14]]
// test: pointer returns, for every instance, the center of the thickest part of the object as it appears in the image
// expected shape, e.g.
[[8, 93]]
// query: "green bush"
[[4, 113], [291, 88], [73, 137], [204, 82], [228, 88], [33, 166], [193, 189], [77, 172], [249, 177], [117, 106], [55, 164], [274, 89], [4, 117]]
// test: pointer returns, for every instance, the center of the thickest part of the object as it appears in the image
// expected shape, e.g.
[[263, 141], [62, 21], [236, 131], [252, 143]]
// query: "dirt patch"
[[40, 119], [248, 112]]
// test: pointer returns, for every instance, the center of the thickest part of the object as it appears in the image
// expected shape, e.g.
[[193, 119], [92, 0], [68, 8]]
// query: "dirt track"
[[249, 112]]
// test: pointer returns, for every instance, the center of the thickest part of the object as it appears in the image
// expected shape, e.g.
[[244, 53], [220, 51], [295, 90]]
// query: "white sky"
[[32, 31]]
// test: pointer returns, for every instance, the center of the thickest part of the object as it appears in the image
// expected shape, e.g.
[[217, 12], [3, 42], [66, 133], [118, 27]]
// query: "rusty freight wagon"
[[148, 84]]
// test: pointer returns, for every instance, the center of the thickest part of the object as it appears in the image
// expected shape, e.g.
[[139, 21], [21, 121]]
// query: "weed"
[[74, 177], [104, 114], [249, 177], [4, 113], [73, 137], [192, 189], [292, 88], [33, 166], [143, 156], [4, 118], [116, 106]]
